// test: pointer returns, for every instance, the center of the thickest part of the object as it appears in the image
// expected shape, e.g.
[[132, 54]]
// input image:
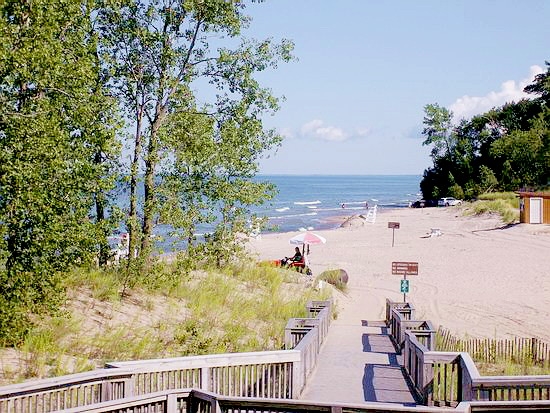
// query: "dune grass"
[[505, 204], [334, 277], [240, 308]]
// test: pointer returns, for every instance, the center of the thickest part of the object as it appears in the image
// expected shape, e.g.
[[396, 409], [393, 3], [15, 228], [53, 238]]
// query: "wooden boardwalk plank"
[[358, 364]]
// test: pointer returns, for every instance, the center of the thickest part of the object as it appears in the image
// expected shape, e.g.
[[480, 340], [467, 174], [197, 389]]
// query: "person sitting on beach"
[[296, 258]]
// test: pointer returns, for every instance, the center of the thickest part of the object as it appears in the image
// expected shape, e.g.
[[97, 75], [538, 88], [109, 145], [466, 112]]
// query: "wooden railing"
[[400, 318], [271, 374], [267, 381], [451, 378], [198, 401]]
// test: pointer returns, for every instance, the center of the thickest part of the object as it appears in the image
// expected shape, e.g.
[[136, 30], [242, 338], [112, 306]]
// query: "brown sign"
[[394, 225], [404, 268]]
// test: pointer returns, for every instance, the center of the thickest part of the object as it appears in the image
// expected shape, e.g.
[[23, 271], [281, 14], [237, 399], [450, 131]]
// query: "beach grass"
[[243, 307], [505, 204], [336, 278]]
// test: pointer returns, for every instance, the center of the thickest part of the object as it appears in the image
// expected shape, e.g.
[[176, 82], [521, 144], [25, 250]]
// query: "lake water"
[[313, 201]]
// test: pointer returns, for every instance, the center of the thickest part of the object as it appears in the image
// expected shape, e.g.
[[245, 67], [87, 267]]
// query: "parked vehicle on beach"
[[449, 201], [424, 203]]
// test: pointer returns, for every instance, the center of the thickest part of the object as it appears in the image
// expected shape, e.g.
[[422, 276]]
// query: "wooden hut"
[[534, 207]]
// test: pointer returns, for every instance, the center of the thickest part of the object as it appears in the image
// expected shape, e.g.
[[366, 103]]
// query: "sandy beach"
[[479, 278]]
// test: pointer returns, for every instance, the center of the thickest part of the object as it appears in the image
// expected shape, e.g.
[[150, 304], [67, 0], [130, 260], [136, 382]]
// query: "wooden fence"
[[517, 350]]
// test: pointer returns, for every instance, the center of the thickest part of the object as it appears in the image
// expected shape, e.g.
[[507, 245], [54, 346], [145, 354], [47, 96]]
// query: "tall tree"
[[541, 85], [438, 130], [51, 128], [159, 52]]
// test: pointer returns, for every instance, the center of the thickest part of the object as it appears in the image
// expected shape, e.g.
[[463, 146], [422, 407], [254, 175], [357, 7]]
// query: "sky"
[[354, 97]]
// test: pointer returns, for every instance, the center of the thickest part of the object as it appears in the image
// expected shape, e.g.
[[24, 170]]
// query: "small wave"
[[294, 216], [312, 207], [282, 209], [307, 202], [354, 203], [374, 200]]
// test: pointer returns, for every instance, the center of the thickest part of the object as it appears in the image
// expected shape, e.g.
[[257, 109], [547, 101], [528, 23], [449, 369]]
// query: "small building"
[[534, 207]]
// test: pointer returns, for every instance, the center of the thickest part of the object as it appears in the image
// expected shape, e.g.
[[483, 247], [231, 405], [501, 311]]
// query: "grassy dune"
[[165, 314], [505, 204]]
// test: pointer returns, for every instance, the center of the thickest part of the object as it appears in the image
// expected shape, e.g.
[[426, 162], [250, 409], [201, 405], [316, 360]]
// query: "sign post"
[[393, 226], [404, 268]]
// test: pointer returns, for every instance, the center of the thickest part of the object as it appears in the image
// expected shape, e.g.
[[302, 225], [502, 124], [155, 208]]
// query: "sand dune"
[[479, 278]]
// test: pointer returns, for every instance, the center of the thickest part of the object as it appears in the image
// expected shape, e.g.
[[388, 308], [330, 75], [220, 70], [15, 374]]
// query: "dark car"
[[422, 203]]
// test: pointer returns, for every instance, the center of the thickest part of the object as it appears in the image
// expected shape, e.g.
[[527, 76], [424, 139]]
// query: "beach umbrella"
[[307, 238]]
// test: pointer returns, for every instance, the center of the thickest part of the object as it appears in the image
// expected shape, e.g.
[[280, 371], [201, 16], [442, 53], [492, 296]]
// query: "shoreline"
[[337, 220], [479, 278]]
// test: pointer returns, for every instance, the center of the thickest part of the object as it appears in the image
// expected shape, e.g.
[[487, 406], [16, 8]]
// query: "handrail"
[[94, 376], [204, 401], [451, 378], [195, 400]]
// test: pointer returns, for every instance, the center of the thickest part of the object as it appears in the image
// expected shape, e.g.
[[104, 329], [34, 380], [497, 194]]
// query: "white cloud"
[[510, 91], [317, 129]]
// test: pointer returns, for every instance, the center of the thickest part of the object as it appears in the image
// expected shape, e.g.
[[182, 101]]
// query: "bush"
[[456, 191], [338, 278]]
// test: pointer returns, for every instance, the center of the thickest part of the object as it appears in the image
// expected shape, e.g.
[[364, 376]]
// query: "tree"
[[52, 116], [541, 85], [501, 149], [438, 130], [526, 155], [158, 52]]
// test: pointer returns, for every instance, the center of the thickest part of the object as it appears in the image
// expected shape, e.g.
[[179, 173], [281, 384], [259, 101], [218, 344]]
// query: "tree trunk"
[[133, 218], [100, 202], [149, 185]]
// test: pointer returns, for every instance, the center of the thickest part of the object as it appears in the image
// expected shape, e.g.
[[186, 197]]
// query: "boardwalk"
[[358, 363]]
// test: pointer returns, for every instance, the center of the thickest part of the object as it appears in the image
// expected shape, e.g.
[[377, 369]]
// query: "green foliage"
[[334, 277], [74, 77], [438, 131], [54, 122], [488, 181], [456, 191], [508, 196], [199, 159], [502, 150]]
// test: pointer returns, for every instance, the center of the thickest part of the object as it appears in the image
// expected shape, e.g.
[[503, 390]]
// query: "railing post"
[[129, 387], [206, 384], [215, 406], [427, 383], [171, 403], [297, 376], [106, 390], [460, 382], [288, 335]]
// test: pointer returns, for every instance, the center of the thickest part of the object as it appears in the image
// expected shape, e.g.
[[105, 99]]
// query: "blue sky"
[[366, 68]]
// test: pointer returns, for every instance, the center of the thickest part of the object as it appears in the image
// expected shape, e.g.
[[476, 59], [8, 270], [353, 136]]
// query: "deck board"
[[358, 363]]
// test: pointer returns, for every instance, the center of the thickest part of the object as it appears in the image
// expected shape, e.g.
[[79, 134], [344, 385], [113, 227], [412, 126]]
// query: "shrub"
[[338, 278]]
